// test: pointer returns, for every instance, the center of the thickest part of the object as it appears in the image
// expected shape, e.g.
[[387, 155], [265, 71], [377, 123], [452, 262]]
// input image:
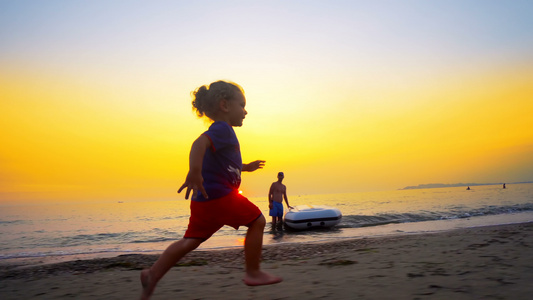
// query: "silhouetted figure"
[[276, 194], [468, 188], [504, 185]]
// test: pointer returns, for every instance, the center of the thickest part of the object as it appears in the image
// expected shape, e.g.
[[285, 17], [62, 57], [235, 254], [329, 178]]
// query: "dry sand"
[[493, 262]]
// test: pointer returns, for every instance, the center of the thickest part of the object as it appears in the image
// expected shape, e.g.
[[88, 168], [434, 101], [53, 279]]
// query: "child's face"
[[236, 109]]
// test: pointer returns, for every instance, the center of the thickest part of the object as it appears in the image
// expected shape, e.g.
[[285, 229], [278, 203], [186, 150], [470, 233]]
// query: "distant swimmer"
[[468, 188]]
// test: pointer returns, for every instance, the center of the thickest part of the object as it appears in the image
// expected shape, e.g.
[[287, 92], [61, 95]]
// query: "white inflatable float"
[[312, 216]]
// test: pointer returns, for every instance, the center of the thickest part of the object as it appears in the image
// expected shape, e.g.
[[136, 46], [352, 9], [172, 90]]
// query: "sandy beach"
[[494, 262]]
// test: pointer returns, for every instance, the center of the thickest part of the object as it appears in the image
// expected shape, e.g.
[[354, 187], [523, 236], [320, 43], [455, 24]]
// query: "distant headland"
[[443, 185]]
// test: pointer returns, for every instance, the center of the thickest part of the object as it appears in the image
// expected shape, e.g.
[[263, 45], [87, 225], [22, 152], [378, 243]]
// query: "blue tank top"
[[222, 164]]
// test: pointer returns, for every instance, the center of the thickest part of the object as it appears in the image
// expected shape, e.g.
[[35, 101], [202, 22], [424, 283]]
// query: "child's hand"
[[254, 165], [194, 182]]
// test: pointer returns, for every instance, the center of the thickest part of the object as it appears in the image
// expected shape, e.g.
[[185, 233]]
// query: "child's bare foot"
[[147, 283], [260, 278]]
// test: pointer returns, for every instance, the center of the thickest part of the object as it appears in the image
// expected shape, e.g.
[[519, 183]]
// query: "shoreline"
[[277, 238], [469, 263]]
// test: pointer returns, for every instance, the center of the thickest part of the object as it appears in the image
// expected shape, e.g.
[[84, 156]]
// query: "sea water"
[[84, 230]]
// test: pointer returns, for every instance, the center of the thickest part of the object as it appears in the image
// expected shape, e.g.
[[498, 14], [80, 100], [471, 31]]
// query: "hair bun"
[[205, 99]]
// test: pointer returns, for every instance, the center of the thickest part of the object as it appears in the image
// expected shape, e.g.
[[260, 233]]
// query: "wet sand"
[[493, 262]]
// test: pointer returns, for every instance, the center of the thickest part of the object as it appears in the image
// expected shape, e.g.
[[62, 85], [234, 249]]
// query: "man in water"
[[278, 192]]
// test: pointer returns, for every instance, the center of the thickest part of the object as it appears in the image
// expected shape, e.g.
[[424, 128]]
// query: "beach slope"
[[494, 262]]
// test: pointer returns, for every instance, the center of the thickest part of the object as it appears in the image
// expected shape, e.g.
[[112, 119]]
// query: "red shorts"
[[208, 217]]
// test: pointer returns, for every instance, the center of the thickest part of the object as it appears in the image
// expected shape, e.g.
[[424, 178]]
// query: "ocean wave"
[[15, 222], [67, 253], [457, 212]]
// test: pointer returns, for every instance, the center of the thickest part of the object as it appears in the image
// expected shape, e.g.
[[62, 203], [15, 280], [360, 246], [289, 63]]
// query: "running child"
[[214, 177]]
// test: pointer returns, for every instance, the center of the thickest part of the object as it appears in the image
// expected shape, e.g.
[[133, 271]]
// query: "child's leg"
[[252, 252], [174, 252]]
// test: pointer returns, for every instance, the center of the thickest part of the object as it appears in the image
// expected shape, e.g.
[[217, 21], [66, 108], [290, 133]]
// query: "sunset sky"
[[343, 96]]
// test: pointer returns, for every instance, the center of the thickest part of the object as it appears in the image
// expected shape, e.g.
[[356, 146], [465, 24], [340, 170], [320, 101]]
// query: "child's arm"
[[254, 165], [194, 180]]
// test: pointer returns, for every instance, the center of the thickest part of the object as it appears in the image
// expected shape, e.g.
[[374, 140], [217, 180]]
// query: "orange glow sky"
[[343, 96]]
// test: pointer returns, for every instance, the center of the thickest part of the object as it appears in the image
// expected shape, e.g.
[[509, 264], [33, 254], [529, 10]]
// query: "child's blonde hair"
[[206, 99]]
